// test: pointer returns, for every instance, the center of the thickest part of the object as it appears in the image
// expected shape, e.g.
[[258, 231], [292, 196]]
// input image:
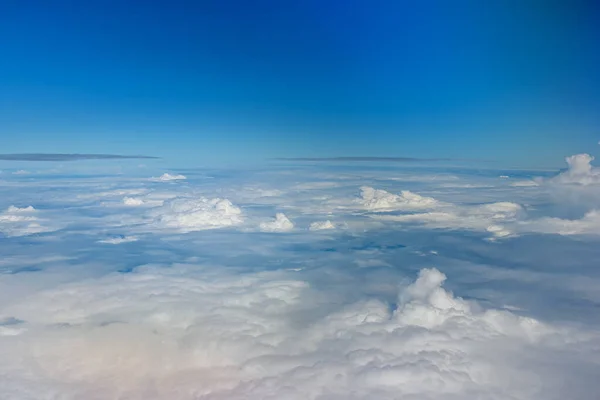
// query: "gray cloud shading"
[[68, 157]]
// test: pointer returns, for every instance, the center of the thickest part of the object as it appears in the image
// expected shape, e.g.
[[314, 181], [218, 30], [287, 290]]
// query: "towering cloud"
[[580, 171]]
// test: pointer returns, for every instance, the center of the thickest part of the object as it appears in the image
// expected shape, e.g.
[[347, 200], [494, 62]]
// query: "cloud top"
[[281, 223], [321, 225], [166, 177], [580, 171], [132, 201], [196, 214], [381, 200]]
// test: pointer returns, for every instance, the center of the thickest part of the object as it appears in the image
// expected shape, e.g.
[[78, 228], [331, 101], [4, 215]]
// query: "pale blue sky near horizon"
[[218, 82]]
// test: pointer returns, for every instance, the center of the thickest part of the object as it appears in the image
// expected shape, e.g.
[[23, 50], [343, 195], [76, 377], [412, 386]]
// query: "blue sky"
[[228, 81]]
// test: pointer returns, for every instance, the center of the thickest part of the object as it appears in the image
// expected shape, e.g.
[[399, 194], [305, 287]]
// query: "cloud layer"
[[210, 334], [284, 284]]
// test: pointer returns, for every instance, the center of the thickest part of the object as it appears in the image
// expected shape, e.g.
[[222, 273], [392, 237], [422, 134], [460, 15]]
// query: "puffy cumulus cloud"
[[186, 214], [495, 219], [580, 171], [132, 201], [192, 332], [577, 188], [321, 225], [15, 221], [381, 200], [499, 220], [427, 304], [166, 177], [281, 223]]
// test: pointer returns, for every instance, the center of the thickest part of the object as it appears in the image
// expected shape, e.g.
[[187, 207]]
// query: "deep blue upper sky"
[[210, 81]]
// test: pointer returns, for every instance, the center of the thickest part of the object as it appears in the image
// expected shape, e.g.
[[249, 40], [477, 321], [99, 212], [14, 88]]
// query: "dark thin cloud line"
[[392, 159], [68, 157]]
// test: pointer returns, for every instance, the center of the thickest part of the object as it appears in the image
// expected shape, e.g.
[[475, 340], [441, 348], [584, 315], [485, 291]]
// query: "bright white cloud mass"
[[339, 283], [380, 200], [281, 223], [166, 177], [580, 171]]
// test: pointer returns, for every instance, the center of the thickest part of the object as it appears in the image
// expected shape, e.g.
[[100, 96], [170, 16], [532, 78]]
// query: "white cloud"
[[580, 171], [321, 225], [132, 201], [103, 194], [486, 218], [499, 231], [232, 314], [119, 239], [589, 224], [191, 332], [185, 214], [166, 177], [577, 188], [381, 200], [525, 183], [21, 210], [501, 219], [21, 172], [281, 223], [15, 221]]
